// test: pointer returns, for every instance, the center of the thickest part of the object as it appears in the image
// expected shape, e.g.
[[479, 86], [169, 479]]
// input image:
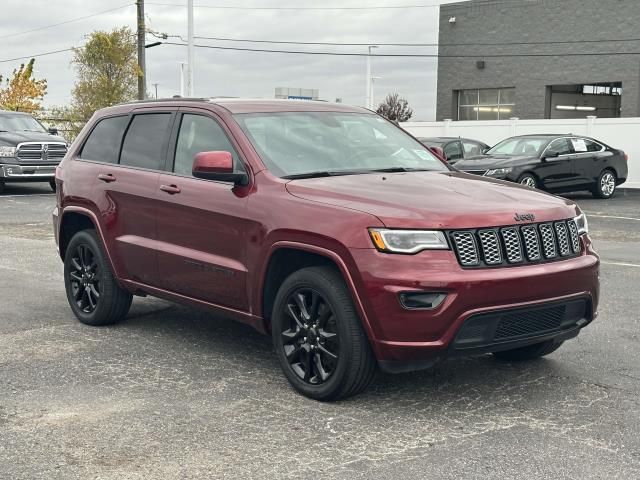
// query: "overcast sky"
[[233, 73]]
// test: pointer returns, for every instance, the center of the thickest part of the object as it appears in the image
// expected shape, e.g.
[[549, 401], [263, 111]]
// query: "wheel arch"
[[75, 219], [288, 257]]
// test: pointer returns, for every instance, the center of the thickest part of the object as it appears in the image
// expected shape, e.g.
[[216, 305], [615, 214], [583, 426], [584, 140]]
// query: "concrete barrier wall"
[[623, 133]]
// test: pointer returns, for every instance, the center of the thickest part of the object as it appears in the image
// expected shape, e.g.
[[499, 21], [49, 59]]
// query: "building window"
[[486, 104]]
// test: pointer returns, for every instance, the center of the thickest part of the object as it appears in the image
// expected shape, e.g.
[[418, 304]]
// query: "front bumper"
[[9, 172], [411, 339]]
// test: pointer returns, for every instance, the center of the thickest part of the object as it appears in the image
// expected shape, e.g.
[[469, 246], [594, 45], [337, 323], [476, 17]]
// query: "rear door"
[[126, 179], [202, 224], [556, 172], [589, 160]]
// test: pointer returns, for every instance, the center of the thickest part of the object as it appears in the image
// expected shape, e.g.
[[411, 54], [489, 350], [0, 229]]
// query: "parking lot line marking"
[[611, 216], [620, 264]]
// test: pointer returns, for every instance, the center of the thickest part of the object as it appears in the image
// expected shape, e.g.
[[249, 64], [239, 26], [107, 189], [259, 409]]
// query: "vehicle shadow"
[[452, 381], [36, 188]]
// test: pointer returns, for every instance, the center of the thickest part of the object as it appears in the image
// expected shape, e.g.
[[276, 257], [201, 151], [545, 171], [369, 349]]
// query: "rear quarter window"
[[103, 143]]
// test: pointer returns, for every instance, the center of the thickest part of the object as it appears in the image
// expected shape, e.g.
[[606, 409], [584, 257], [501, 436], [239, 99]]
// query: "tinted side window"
[[103, 144], [143, 143], [453, 151], [200, 134], [471, 149], [561, 146]]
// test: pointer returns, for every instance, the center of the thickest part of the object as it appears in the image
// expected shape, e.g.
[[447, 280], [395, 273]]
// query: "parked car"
[[324, 225], [556, 163], [454, 149], [28, 151]]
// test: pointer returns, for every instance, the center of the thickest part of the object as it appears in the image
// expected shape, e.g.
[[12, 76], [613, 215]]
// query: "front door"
[[201, 224], [556, 172]]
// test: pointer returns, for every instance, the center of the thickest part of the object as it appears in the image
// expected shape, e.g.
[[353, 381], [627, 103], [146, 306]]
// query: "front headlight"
[[581, 222], [407, 241], [7, 151], [495, 172]]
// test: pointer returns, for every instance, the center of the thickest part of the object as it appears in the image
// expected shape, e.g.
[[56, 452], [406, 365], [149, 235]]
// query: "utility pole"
[[156, 87], [142, 77], [369, 102], [182, 65], [190, 48]]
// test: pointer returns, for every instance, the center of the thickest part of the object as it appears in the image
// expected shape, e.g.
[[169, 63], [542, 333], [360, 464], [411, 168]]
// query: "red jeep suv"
[[324, 225]]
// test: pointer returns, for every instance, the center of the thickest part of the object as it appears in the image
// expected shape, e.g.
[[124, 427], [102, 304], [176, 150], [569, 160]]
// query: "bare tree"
[[395, 108]]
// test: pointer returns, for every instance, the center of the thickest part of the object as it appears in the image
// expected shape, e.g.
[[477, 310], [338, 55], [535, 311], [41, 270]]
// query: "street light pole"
[[156, 87], [190, 49], [142, 74], [369, 101]]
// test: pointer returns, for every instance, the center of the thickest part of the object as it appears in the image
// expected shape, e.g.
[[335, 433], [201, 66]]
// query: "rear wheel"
[[93, 293], [530, 352], [606, 185], [318, 338], [528, 180]]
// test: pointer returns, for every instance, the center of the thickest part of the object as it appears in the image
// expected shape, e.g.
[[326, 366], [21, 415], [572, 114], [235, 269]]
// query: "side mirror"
[[550, 155], [53, 130], [217, 166], [485, 150]]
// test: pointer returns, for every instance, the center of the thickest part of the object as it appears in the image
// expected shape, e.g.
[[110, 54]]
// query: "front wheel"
[[606, 185], [528, 180], [318, 338], [93, 293], [530, 352]]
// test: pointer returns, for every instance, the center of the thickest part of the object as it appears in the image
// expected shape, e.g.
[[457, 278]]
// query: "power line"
[[502, 44], [236, 7], [66, 21], [410, 55], [36, 55]]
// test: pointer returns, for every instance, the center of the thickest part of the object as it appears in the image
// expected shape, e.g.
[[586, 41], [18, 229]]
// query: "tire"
[[528, 180], [52, 184], [94, 295], [530, 352], [334, 328], [606, 184]]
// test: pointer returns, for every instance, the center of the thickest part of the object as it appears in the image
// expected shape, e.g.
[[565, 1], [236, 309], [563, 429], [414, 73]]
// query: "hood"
[[485, 162], [433, 199], [14, 138]]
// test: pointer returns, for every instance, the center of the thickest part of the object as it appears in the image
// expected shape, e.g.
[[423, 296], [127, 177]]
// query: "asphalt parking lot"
[[177, 393]]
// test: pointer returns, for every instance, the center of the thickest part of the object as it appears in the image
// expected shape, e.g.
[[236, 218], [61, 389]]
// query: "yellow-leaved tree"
[[22, 92]]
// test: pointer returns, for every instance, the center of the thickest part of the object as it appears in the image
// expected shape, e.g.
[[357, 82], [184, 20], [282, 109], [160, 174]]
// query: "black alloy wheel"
[[85, 278], [311, 340], [318, 336], [94, 295]]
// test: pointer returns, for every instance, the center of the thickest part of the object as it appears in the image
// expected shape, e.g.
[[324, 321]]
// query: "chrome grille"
[[548, 240], [531, 242], [512, 244], [573, 233], [41, 152], [516, 244], [490, 244], [466, 248]]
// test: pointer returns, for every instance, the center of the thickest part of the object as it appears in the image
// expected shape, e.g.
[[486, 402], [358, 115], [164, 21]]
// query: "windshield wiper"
[[399, 169], [324, 173]]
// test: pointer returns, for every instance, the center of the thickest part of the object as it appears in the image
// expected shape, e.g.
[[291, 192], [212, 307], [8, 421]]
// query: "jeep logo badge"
[[524, 217]]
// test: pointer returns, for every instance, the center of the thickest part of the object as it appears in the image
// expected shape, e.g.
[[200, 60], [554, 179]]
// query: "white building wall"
[[623, 133]]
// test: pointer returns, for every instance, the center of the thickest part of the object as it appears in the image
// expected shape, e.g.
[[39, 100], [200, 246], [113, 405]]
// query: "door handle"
[[106, 177], [170, 189]]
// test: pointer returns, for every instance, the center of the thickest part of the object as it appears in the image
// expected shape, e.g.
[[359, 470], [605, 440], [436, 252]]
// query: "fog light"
[[422, 300]]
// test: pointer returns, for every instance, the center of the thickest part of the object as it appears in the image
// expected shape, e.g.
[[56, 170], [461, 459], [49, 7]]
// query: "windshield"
[[304, 143], [20, 123], [520, 146]]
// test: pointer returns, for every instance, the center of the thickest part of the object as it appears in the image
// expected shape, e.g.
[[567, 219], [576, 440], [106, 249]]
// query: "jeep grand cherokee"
[[324, 225]]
